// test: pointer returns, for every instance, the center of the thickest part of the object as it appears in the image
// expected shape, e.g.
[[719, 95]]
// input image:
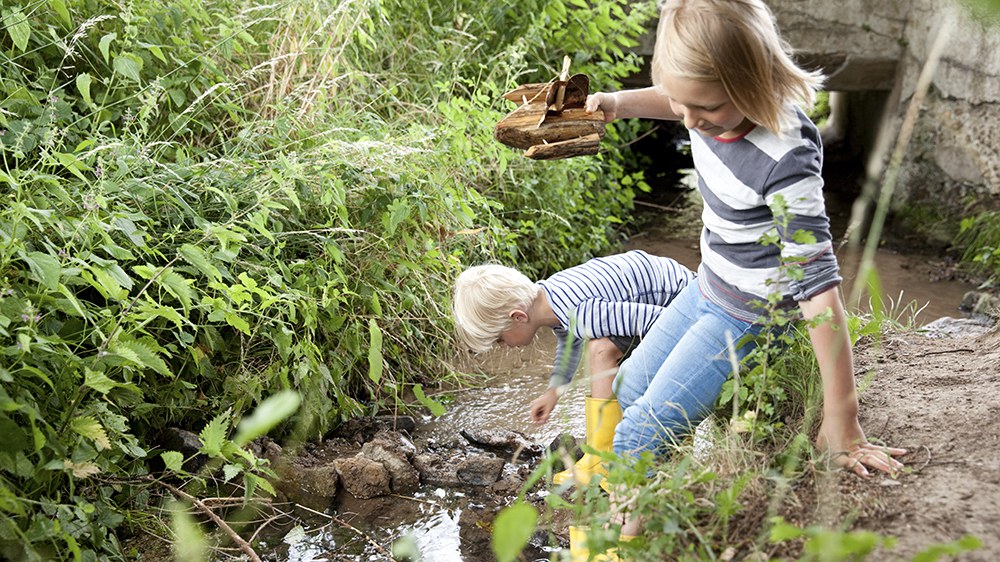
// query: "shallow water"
[[516, 377]]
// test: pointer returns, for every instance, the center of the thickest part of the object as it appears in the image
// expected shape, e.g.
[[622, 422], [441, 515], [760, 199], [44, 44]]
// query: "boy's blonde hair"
[[735, 43], [485, 295]]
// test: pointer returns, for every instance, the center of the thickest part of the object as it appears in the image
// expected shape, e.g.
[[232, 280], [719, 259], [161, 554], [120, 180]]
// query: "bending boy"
[[607, 302]]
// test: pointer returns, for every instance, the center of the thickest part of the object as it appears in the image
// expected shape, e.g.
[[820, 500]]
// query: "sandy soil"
[[939, 398]]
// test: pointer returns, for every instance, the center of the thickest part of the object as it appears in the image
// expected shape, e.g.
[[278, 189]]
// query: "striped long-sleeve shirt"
[[618, 295], [738, 180]]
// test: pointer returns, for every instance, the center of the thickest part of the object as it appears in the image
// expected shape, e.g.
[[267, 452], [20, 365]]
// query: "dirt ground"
[[940, 399]]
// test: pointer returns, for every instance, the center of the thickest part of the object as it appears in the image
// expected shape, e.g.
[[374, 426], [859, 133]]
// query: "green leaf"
[[436, 408], [173, 460], [374, 352], [71, 163], [140, 353], [178, 286], [17, 27], [213, 436], [46, 269], [934, 552], [92, 429], [98, 381], [782, 531], [156, 50], [398, 211], [83, 82], [272, 411], [128, 65], [190, 544], [10, 502], [230, 471], [60, 8], [105, 45], [197, 257], [238, 322], [511, 530]]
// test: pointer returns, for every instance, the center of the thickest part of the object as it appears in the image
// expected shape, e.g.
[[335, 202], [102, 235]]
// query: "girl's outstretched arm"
[[841, 434], [649, 103]]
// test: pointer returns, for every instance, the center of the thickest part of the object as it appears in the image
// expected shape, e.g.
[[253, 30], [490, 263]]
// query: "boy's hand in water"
[[542, 406], [607, 103]]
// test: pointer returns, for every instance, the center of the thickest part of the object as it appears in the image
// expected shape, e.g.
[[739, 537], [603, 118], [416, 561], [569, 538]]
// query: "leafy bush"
[[211, 203]]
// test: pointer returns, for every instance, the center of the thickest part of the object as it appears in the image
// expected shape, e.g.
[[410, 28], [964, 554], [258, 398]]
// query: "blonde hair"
[[484, 297], [735, 43]]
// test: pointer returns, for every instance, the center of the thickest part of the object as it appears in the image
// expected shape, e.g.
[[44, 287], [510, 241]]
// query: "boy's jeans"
[[673, 378]]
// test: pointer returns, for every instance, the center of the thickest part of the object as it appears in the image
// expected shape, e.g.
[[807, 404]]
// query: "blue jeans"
[[673, 378]]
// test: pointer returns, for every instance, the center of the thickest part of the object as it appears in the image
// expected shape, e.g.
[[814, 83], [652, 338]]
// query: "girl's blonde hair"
[[735, 43], [484, 297]]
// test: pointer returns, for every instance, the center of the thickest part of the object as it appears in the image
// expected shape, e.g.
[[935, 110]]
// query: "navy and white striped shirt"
[[738, 179], [618, 295]]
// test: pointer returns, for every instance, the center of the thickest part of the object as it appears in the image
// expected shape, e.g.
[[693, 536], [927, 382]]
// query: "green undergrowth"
[[979, 240], [213, 208]]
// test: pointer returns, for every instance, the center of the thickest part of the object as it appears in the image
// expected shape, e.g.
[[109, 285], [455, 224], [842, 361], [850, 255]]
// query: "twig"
[[347, 525], [265, 524], [655, 206], [943, 351], [221, 523], [927, 462], [411, 498]]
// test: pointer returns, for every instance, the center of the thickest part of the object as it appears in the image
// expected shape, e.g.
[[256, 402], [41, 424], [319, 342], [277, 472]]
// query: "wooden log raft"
[[547, 134]]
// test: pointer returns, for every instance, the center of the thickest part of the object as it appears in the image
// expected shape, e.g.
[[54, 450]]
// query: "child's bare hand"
[[848, 448], [607, 103], [541, 407]]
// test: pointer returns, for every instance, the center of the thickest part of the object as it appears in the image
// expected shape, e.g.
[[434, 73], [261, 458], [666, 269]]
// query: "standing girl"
[[720, 67]]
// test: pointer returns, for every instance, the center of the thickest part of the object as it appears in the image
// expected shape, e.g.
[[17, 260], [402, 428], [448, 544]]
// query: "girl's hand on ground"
[[541, 407], [607, 103], [851, 450]]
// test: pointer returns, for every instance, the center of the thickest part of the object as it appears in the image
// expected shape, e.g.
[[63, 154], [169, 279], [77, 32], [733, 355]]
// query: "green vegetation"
[[210, 203], [979, 239]]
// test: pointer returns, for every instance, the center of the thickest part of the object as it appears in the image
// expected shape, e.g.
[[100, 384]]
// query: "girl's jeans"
[[673, 378]]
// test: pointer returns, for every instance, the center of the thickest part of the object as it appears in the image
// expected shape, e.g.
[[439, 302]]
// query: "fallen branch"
[[220, 522]]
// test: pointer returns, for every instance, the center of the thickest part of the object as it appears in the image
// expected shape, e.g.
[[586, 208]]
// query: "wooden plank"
[[521, 128], [579, 146]]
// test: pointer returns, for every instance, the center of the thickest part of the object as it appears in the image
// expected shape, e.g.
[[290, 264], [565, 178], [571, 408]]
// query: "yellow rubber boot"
[[602, 416], [580, 552]]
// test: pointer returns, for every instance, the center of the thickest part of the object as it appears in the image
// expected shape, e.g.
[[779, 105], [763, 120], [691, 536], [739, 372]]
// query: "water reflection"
[[437, 536]]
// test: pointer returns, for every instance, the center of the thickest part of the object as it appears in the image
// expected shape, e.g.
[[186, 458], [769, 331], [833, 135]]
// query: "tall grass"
[[212, 203]]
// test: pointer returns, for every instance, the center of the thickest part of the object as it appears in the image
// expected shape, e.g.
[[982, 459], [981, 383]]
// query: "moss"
[[926, 223]]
